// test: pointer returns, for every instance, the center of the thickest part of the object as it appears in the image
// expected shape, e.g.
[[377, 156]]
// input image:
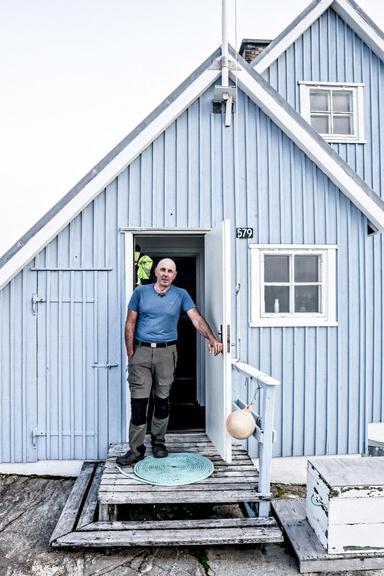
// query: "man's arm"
[[203, 327], [130, 326]]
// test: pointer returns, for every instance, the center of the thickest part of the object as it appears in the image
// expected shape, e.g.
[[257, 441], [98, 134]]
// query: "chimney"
[[250, 49]]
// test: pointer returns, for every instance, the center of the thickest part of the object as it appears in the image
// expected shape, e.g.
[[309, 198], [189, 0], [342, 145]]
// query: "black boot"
[[131, 457], [159, 450]]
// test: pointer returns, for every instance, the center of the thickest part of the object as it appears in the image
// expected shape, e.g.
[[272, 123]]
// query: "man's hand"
[[130, 353], [215, 347]]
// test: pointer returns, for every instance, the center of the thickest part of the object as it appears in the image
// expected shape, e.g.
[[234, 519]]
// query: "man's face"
[[165, 273]]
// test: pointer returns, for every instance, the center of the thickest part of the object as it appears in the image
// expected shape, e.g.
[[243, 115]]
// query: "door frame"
[[129, 237]]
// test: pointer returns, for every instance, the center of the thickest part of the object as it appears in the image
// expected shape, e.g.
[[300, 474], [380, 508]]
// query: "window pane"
[[319, 101], [307, 268], [320, 124], [342, 101], [276, 268], [276, 299], [307, 299], [342, 125]]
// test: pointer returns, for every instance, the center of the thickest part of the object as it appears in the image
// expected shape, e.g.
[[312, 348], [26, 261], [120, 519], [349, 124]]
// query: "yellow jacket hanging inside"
[[143, 265]]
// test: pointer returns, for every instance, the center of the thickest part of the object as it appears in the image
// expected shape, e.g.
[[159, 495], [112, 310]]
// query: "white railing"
[[264, 432]]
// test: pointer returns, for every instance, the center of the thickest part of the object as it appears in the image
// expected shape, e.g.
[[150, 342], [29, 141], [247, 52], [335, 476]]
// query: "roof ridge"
[[353, 15]]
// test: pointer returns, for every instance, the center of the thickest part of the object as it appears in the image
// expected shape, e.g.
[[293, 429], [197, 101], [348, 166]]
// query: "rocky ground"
[[31, 506]]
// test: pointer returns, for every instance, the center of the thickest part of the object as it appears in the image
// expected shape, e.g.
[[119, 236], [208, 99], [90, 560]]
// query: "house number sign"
[[244, 232]]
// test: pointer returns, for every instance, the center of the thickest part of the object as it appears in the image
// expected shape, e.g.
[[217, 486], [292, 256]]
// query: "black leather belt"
[[156, 344]]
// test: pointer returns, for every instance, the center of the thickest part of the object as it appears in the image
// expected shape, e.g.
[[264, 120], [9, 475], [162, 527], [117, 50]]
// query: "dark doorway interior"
[[185, 411]]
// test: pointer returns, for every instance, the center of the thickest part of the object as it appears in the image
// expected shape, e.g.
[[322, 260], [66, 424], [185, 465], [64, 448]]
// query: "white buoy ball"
[[241, 424]]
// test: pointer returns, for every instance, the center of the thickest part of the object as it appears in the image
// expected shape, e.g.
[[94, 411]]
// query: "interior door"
[[218, 314]]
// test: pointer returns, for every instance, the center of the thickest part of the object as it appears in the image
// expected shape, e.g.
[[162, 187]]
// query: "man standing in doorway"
[[150, 338]]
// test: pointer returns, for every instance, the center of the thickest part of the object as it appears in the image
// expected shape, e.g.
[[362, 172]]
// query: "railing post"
[[265, 448], [264, 428]]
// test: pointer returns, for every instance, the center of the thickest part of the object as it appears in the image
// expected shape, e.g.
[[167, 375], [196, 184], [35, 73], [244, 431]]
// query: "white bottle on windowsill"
[[276, 306]]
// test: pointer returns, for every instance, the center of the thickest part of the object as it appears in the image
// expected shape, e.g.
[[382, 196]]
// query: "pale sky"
[[78, 75]]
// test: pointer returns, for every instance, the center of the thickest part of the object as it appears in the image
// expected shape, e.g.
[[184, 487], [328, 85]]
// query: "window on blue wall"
[[335, 111], [293, 285]]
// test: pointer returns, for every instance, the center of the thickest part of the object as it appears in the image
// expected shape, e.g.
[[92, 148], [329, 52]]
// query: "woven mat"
[[174, 470]]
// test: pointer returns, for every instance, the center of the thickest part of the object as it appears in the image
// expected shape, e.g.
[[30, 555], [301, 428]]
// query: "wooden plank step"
[[69, 514], [182, 497], [195, 487], [217, 473], [112, 480], [89, 508], [188, 537], [242, 468], [311, 555], [179, 446], [211, 455], [181, 524]]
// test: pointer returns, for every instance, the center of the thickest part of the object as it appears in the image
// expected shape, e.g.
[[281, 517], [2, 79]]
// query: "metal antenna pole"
[[224, 46], [225, 94]]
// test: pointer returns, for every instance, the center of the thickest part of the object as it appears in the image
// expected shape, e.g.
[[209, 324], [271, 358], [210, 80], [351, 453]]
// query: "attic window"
[[335, 110], [293, 285]]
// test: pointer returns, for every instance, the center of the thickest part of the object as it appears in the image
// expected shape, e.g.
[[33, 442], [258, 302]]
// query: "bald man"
[[150, 337]]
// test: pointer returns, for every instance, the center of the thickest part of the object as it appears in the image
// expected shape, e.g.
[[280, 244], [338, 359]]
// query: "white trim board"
[[44, 468], [356, 19]]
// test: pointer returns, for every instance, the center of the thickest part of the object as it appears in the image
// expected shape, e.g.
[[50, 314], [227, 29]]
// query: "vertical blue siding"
[[193, 175], [17, 370], [329, 51]]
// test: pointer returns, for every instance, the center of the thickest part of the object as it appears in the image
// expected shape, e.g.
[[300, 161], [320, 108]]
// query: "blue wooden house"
[[267, 193]]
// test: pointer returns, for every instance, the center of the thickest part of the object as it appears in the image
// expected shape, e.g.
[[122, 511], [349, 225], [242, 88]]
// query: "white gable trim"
[[346, 11], [107, 174], [361, 27], [309, 143], [292, 35]]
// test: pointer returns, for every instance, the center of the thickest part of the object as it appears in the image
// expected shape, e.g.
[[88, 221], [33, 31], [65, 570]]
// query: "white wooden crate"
[[345, 503]]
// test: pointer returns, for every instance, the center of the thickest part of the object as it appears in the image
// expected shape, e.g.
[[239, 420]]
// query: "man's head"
[[165, 273]]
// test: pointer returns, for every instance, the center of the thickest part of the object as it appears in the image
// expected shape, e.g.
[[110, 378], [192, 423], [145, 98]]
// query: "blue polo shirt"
[[158, 315]]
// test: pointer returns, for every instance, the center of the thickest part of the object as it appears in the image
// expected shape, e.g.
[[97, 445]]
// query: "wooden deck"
[[311, 555], [93, 515], [235, 482]]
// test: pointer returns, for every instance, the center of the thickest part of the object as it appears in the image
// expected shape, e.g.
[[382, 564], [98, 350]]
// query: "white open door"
[[218, 383]]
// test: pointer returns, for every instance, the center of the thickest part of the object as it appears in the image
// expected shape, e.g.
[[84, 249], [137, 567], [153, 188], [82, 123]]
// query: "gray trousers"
[[150, 368]]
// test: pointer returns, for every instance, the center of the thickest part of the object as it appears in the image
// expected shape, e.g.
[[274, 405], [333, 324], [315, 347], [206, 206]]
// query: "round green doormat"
[[175, 470]]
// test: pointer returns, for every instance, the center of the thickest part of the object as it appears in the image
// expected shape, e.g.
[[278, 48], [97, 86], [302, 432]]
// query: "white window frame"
[[357, 90], [327, 316]]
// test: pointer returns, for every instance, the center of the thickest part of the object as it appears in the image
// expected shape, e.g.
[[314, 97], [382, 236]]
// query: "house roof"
[[349, 11], [247, 79]]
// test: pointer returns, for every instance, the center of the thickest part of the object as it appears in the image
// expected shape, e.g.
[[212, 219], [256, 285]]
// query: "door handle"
[[220, 333], [228, 338]]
